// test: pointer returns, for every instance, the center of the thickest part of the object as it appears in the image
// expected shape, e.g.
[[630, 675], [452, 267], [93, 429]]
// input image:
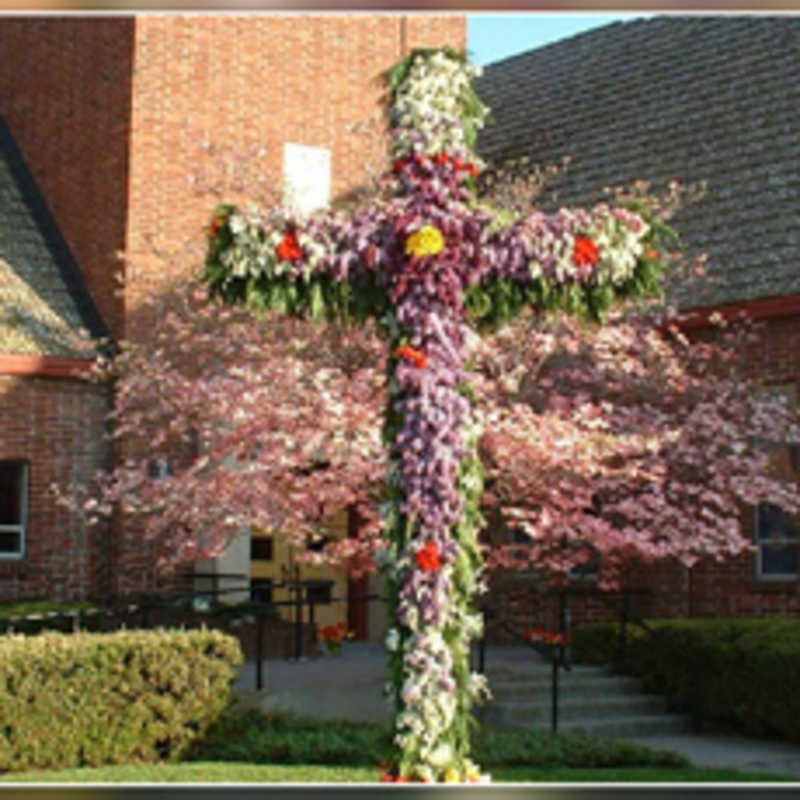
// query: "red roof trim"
[[46, 367], [765, 308]]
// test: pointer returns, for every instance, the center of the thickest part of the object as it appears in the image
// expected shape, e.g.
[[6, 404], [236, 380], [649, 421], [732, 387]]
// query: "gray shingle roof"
[[44, 302], [685, 97]]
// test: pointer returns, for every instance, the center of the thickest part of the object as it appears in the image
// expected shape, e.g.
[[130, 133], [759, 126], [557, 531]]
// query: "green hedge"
[[254, 737], [738, 674], [85, 699]]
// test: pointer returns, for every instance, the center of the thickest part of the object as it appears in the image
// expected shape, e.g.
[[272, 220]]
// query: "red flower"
[[419, 158], [289, 248], [400, 165], [442, 158], [585, 252], [548, 637], [419, 360], [473, 170], [387, 777], [214, 227], [458, 163], [428, 557]]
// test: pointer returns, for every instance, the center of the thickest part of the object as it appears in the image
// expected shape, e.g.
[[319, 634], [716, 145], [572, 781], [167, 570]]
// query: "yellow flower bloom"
[[427, 241], [451, 776]]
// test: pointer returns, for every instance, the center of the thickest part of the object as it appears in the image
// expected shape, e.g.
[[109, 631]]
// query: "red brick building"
[[711, 99], [105, 120]]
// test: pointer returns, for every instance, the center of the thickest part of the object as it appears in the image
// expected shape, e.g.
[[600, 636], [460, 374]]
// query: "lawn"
[[232, 772], [247, 746]]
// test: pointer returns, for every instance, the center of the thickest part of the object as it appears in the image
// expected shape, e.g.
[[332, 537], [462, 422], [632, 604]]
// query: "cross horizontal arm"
[[576, 260], [332, 267]]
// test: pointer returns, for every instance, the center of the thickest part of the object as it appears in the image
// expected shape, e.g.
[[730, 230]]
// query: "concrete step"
[[591, 699], [570, 708], [614, 725], [540, 671], [638, 725], [569, 686]]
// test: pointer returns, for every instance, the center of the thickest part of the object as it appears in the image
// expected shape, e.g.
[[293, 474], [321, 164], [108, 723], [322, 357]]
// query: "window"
[[587, 571], [261, 590], [317, 544], [318, 591], [261, 548], [776, 539], [13, 508], [160, 468]]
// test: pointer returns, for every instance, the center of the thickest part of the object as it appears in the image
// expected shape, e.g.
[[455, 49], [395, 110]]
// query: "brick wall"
[[250, 84], [55, 425]]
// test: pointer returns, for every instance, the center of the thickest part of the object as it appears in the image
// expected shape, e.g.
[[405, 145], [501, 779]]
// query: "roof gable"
[[713, 98], [44, 302]]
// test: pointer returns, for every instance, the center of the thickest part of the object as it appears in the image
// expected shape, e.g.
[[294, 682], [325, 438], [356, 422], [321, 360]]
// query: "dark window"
[[261, 590], [776, 537], [13, 507], [318, 544], [160, 468], [261, 548], [318, 591]]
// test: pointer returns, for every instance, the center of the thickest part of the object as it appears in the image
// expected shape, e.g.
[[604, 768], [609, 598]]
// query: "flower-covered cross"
[[430, 263]]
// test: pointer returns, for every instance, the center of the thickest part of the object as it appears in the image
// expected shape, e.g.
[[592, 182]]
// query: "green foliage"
[[233, 772], [739, 674], [278, 738], [596, 643], [26, 607], [314, 296], [89, 699]]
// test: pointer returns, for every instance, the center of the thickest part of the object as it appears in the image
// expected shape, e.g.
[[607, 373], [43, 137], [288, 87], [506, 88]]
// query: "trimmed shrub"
[[738, 674], [596, 643], [88, 699], [255, 737]]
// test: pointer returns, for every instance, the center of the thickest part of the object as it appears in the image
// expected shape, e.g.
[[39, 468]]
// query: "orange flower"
[[428, 557], [442, 158], [651, 253], [548, 637], [289, 248], [214, 227], [585, 252], [419, 359], [473, 170]]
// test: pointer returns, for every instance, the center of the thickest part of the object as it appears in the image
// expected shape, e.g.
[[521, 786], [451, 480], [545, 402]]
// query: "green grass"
[[26, 607], [279, 738], [248, 746], [231, 772]]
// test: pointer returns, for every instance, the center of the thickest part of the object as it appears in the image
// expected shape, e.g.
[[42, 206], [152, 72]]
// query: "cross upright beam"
[[429, 263]]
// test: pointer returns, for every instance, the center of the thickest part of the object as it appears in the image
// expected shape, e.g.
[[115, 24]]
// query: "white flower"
[[392, 640], [237, 224], [411, 693], [441, 756]]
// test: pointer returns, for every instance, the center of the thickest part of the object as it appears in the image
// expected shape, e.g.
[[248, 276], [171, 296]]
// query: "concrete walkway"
[[350, 686]]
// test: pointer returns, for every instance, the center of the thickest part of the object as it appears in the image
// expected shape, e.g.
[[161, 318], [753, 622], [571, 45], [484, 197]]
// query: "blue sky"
[[491, 37]]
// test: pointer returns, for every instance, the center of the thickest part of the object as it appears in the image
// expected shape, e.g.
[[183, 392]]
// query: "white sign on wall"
[[306, 177]]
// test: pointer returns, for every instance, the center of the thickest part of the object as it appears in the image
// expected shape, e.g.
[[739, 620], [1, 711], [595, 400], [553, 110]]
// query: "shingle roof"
[[685, 97], [44, 302]]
